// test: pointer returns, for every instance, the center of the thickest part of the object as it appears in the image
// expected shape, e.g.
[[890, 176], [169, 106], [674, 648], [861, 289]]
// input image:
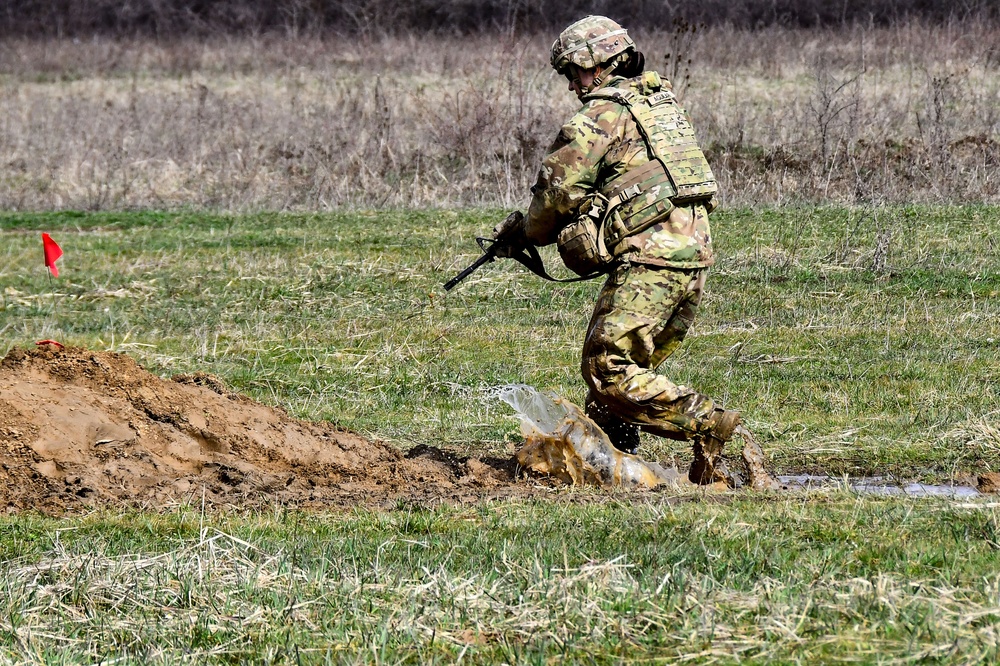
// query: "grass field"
[[856, 340]]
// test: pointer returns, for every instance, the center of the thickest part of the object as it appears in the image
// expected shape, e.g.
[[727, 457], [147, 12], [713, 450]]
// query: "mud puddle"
[[874, 485], [562, 442]]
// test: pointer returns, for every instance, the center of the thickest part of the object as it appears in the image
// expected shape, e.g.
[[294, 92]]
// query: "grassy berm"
[[857, 342]]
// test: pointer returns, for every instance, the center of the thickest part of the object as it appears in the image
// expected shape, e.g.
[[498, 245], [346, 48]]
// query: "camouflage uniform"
[[652, 293]]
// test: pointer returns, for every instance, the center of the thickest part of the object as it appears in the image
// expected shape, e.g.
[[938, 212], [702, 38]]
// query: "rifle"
[[507, 239], [509, 242]]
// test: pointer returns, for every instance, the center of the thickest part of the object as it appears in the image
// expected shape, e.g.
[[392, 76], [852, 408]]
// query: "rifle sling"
[[530, 259]]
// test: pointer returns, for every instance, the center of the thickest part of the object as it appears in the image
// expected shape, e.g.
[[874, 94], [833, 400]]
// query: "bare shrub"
[[858, 115], [372, 18]]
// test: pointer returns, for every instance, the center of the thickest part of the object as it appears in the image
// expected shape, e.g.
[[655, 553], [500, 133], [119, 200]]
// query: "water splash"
[[561, 440], [753, 456]]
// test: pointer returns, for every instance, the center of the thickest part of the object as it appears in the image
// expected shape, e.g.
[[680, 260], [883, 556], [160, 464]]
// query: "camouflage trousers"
[[641, 317]]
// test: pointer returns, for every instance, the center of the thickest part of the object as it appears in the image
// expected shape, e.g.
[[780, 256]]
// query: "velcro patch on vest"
[[660, 98]]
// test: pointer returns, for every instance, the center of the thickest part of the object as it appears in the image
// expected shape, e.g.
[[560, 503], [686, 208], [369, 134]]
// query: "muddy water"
[[756, 463], [875, 486], [561, 441]]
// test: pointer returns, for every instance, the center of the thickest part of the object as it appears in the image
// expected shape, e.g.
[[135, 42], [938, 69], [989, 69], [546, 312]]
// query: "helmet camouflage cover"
[[589, 42]]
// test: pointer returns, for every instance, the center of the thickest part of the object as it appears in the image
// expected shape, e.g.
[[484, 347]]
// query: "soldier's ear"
[[633, 64]]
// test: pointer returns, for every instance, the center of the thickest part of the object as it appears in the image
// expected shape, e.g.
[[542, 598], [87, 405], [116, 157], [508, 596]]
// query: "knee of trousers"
[[608, 388], [681, 420]]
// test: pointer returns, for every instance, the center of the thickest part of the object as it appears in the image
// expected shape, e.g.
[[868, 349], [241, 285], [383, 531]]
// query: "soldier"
[[625, 189]]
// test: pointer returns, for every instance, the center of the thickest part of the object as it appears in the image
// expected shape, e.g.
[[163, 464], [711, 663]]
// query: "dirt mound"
[[81, 428]]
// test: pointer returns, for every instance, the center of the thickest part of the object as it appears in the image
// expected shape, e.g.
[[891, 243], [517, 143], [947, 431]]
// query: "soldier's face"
[[580, 80]]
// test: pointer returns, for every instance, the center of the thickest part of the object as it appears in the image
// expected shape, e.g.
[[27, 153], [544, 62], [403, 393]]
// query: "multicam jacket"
[[597, 151]]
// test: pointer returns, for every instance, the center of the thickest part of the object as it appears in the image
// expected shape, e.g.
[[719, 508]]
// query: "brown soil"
[[988, 482], [80, 428]]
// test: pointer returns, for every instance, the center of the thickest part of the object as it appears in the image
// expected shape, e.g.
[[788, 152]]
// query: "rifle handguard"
[[510, 234], [510, 242]]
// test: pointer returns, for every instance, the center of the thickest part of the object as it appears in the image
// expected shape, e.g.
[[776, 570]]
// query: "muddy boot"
[[624, 436], [758, 477], [707, 466]]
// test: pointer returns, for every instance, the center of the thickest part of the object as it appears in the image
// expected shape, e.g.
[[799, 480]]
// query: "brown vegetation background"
[[173, 18], [855, 112]]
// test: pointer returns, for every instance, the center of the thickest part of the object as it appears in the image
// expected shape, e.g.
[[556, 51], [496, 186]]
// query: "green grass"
[[807, 579], [855, 341]]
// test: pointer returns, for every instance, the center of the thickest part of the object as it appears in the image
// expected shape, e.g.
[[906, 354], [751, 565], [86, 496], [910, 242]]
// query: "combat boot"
[[707, 466], [624, 436]]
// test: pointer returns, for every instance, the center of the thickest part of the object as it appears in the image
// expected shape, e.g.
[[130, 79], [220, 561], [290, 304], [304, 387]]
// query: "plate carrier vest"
[[677, 175]]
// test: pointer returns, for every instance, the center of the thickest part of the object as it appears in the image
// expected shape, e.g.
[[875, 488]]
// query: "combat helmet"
[[590, 42]]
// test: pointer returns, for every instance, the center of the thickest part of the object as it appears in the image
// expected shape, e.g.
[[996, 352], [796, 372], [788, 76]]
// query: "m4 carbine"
[[508, 239], [509, 242]]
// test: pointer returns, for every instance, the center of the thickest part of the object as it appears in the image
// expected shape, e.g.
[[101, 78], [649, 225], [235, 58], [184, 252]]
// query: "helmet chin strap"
[[607, 69], [604, 72], [596, 83]]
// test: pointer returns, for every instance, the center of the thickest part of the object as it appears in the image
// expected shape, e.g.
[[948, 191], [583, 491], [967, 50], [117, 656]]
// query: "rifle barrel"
[[484, 259]]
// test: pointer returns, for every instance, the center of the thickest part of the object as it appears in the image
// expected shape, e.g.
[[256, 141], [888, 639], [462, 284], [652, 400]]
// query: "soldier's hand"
[[511, 226], [509, 234]]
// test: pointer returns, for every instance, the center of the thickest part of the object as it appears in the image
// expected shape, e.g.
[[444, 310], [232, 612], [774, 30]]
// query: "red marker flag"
[[52, 252]]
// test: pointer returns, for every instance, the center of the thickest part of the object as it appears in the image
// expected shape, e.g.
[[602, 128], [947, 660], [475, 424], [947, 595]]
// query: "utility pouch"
[[641, 214], [581, 242]]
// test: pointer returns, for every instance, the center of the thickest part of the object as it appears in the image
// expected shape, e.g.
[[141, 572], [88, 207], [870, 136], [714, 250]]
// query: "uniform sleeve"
[[570, 170]]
